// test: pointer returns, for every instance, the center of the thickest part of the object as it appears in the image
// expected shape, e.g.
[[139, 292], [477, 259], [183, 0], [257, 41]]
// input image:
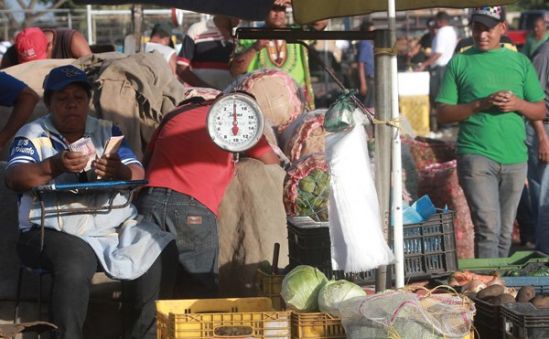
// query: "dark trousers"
[[195, 228], [72, 263]]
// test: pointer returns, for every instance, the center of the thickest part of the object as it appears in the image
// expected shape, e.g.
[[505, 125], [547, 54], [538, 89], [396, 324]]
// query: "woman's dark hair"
[[49, 93]]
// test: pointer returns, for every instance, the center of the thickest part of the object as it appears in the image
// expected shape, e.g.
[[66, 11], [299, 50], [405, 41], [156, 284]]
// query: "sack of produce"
[[280, 99], [305, 135], [336, 291], [306, 188], [402, 314], [440, 182]]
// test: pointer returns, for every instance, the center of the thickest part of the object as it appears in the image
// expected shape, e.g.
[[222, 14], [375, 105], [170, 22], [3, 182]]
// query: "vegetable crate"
[[269, 285], [221, 318], [541, 284], [488, 320], [525, 321], [518, 261], [429, 248], [316, 325]]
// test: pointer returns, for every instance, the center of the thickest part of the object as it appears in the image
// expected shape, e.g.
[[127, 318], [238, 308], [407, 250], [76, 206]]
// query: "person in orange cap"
[[34, 43]]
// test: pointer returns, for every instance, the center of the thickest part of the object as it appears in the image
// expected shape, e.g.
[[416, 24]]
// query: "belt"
[[151, 189]]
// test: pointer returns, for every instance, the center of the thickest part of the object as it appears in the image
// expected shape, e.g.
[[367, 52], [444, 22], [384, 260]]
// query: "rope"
[[392, 51], [393, 122]]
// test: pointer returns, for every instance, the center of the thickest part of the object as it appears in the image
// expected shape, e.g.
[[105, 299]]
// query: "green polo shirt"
[[475, 74]]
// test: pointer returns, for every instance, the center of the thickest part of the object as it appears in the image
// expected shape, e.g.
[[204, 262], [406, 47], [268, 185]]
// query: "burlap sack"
[[305, 135], [251, 220], [440, 182], [276, 93]]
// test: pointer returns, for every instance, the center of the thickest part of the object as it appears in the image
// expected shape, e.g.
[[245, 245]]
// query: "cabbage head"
[[300, 288], [334, 292]]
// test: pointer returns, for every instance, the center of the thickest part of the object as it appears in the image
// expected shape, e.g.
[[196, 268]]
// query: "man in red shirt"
[[188, 175]]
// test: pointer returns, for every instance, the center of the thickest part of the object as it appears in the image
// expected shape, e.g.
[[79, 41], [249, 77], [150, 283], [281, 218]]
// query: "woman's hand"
[[109, 166], [69, 161]]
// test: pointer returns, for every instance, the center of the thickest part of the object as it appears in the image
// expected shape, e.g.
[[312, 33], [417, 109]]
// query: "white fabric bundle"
[[355, 228]]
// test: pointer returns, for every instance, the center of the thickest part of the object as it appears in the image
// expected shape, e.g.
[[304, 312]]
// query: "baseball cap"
[[31, 44], [489, 16], [61, 77]]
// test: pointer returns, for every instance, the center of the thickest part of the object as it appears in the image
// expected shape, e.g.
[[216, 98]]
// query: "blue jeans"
[[538, 182], [195, 228], [72, 263], [493, 193]]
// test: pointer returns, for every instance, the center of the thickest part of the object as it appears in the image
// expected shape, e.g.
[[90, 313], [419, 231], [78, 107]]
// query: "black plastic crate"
[[488, 321], [429, 248], [309, 244], [524, 321]]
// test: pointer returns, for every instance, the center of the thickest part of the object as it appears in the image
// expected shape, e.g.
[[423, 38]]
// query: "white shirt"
[[166, 51], [445, 42]]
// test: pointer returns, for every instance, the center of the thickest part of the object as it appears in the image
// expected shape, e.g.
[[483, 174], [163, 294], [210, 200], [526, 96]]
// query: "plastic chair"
[[40, 191]]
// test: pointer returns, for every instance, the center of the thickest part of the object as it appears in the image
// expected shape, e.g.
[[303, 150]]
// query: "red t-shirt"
[[186, 160]]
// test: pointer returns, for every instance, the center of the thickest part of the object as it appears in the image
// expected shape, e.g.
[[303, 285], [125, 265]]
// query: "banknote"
[[85, 145]]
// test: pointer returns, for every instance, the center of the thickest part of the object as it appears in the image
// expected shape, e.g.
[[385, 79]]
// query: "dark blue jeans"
[[195, 228], [72, 263]]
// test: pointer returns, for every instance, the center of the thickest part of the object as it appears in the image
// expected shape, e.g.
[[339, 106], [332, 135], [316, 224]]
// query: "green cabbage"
[[300, 288], [334, 292]]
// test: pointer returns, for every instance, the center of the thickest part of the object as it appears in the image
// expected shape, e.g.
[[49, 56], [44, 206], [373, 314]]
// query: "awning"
[[244, 9], [306, 11]]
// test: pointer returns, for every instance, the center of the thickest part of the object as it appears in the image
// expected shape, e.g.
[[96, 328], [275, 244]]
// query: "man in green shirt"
[[251, 55], [490, 91]]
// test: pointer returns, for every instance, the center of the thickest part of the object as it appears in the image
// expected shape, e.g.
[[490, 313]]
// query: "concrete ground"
[[104, 319]]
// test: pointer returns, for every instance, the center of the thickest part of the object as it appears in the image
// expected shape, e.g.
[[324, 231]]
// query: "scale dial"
[[235, 122]]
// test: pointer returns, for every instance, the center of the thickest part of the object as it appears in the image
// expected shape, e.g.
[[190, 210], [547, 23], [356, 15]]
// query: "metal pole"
[[69, 20], [137, 20], [382, 136], [89, 21], [396, 160]]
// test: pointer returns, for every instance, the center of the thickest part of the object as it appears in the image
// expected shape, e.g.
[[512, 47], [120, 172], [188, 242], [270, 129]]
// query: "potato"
[[490, 291], [500, 299], [540, 301], [525, 294]]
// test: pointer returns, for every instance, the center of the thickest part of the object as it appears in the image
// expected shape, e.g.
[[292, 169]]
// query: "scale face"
[[235, 122]]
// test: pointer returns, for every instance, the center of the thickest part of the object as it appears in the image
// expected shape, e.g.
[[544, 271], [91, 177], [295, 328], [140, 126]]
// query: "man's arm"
[[362, 79], [505, 101], [187, 76], [79, 45], [240, 62], [447, 113], [432, 59], [22, 110], [268, 158], [543, 140]]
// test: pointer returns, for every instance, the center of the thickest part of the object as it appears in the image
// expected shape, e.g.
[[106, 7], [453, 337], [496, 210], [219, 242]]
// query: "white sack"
[[355, 228]]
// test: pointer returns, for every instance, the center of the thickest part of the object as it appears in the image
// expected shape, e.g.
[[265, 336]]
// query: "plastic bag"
[[357, 241], [340, 115]]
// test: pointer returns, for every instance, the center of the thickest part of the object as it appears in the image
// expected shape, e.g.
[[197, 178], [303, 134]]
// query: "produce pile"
[[307, 187], [305, 288], [491, 289]]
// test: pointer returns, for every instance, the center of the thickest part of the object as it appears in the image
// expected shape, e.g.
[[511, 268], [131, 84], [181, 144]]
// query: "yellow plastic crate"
[[416, 109], [221, 318], [269, 285], [316, 325]]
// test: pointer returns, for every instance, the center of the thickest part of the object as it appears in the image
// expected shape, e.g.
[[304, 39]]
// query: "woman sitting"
[[74, 246]]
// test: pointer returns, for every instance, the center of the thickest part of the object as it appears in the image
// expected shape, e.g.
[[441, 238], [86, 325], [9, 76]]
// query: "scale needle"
[[235, 121]]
